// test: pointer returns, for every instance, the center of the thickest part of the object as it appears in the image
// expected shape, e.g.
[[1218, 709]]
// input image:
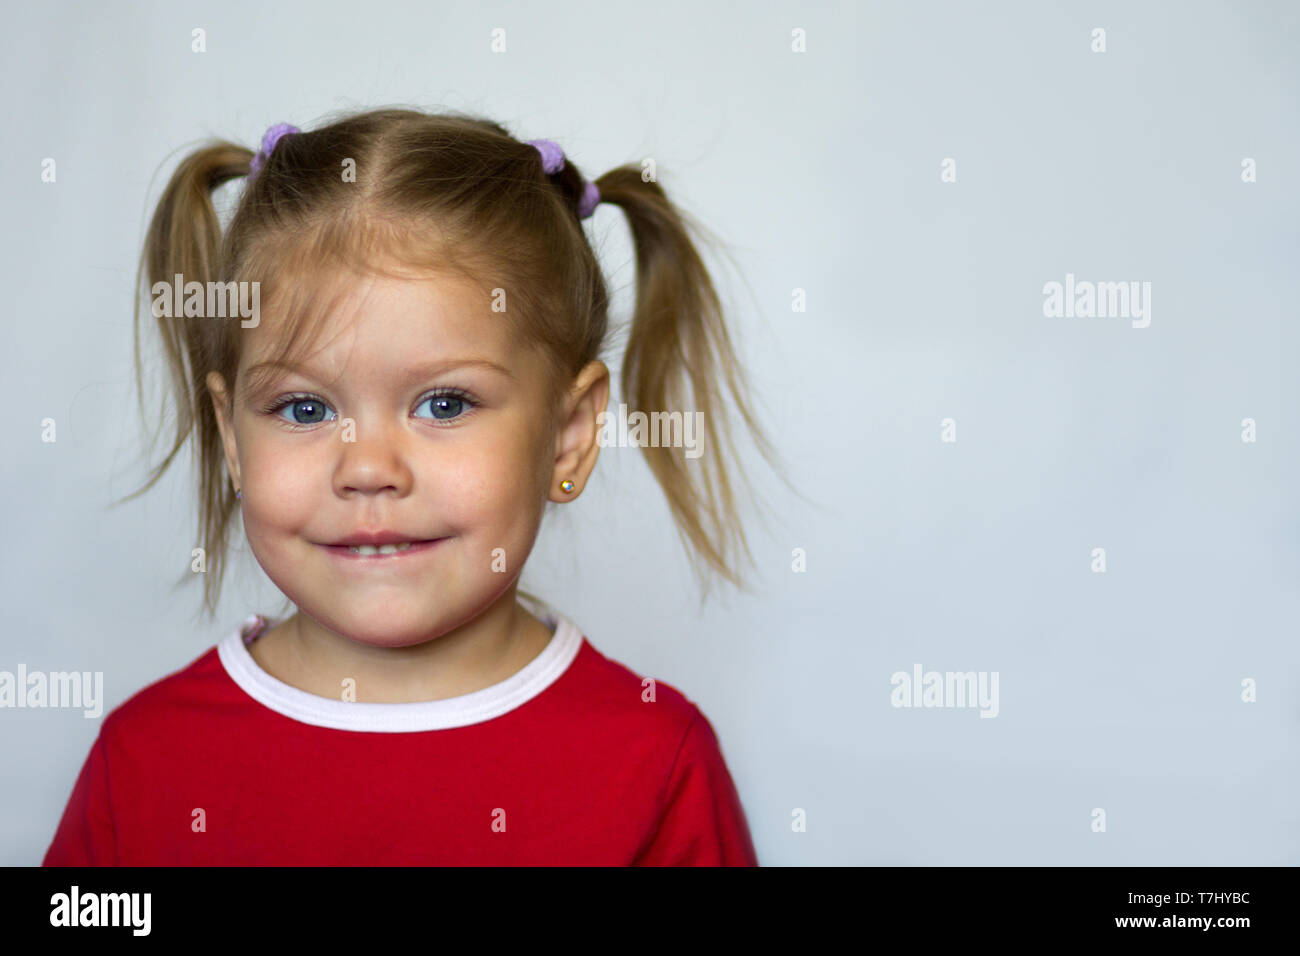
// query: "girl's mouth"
[[366, 551]]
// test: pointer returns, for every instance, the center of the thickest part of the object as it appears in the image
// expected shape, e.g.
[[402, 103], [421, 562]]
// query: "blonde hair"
[[448, 192]]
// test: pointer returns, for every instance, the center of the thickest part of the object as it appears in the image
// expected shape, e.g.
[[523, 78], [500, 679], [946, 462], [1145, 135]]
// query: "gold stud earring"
[[566, 486]]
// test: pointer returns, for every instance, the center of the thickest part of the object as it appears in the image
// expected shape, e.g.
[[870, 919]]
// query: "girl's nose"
[[373, 463]]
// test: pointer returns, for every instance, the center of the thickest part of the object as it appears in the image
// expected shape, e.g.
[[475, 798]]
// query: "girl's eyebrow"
[[264, 371]]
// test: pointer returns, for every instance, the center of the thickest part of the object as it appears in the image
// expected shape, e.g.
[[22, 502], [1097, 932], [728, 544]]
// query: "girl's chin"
[[385, 621]]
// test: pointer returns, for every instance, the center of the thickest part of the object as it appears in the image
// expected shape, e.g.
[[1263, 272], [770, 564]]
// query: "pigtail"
[[679, 358], [184, 238]]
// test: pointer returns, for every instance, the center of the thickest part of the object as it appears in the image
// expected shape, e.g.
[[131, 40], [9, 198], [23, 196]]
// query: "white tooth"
[[382, 549]]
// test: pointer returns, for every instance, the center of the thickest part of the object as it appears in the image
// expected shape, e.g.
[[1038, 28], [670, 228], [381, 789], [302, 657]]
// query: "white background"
[[1119, 691]]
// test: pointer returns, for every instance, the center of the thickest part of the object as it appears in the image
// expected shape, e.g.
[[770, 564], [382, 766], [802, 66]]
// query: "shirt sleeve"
[[86, 836], [702, 822]]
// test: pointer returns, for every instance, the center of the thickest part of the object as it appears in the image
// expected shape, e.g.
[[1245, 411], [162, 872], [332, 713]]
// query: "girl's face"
[[420, 414]]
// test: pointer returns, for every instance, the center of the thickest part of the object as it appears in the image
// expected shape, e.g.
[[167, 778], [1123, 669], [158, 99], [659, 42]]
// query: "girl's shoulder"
[[626, 698], [167, 701]]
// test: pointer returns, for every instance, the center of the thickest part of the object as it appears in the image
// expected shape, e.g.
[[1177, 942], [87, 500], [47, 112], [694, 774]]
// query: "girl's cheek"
[[286, 490]]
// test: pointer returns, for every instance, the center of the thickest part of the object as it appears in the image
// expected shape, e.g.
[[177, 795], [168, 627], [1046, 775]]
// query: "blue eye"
[[447, 405], [306, 409]]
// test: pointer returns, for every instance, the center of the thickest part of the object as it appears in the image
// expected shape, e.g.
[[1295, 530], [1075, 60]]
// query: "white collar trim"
[[473, 708]]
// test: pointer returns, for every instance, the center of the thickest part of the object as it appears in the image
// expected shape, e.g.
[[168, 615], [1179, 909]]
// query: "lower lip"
[[343, 551]]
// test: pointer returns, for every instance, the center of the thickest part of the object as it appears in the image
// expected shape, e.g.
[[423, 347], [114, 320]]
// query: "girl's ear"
[[577, 444], [221, 405]]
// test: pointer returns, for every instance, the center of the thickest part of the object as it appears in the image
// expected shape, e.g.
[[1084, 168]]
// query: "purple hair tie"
[[553, 162], [589, 201], [552, 155], [269, 139]]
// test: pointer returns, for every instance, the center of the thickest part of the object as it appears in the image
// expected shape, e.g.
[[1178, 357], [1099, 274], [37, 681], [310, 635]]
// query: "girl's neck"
[[485, 651]]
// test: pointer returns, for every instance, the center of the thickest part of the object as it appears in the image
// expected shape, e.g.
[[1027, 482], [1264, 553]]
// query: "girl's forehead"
[[381, 309], [386, 325]]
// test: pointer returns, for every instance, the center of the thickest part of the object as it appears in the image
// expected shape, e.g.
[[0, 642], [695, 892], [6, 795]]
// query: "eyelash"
[[282, 403]]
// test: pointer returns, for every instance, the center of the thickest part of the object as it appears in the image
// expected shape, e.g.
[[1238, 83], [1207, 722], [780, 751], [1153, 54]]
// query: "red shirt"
[[563, 763]]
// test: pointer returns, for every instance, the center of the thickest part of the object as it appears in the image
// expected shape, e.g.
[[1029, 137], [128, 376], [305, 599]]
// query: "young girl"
[[389, 365]]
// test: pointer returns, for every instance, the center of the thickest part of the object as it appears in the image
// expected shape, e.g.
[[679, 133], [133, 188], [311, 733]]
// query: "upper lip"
[[376, 538]]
